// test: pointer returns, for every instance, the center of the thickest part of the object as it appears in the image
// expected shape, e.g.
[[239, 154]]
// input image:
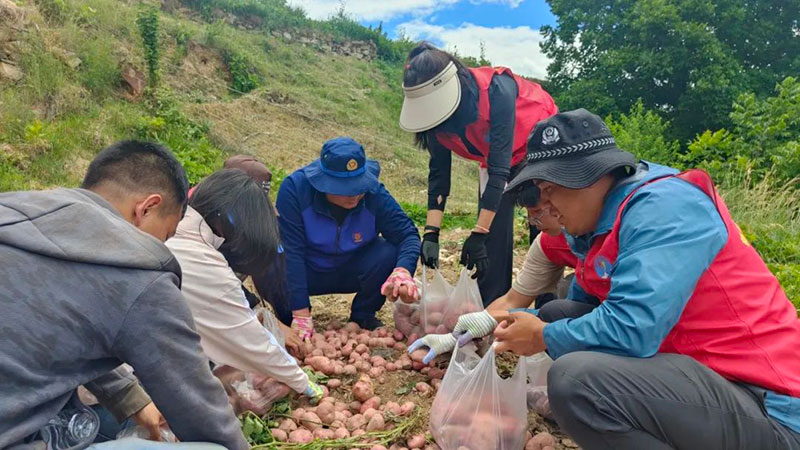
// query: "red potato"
[[377, 361], [399, 346], [301, 436], [416, 365], [406, 408], [548, 448], [377, 447], [339, 406], [279, 434], [340, 416], [362, 348], [442, 329], [397, 335], [376, 423], [373, 402], [334, 383], [350, 369], [358, 432], [352, 327], [540, 441], [323, 433], [393, 407], [355, 406], [325, 412], [433, 319], [436, 383], [356, 422], [432, 447], [422, 387], [287, 425], [415, 317], [425, 370], [341, 433], [382, 332], [391, 367], [376, 372], [311, 421], [369, 413], [316, 352], [297, 414], [337, 424], [362, 391], [347, 350], [362, 339], [435, 372], [415, 442], [418, 354], [338, 368], [430, 329]]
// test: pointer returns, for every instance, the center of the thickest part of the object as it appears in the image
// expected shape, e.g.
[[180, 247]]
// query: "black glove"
[[473, 254], [429, 253]]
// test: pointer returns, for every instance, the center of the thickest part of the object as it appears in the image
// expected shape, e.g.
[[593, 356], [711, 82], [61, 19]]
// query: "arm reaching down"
[[158, 339]]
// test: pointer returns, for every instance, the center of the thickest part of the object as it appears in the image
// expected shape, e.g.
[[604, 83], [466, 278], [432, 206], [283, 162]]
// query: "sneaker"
[[369, 323]]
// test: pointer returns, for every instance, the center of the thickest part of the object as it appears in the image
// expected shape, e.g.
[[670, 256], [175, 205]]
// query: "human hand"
[[293, 342], [520, 333], [473, 253], [314, 392], [473, 326], [437, 343], [303, 326], [429, 253], [150, 418], [400, 284]]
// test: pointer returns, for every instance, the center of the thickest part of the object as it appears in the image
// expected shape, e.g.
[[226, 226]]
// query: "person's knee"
[[570, 383]]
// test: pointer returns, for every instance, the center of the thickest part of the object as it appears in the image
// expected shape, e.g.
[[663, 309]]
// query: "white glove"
[[473, 326], [438, 344]]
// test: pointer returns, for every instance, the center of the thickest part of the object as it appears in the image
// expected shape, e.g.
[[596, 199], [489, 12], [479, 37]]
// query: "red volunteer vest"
[[533, 105], [557, 250], [738, 320]]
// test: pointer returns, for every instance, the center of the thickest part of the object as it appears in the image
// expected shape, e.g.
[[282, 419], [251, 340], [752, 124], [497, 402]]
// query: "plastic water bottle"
[[75, 427]]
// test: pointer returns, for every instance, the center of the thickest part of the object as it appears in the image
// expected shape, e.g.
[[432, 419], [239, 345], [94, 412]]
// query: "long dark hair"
[[237, 208], [424, 62]]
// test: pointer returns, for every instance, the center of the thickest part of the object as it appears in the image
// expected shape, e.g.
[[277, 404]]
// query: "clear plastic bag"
[[475, 409], [257, 393], [270, 322], [442, 304], [407, 318], [74, 427], [136, 431], [536, 392]]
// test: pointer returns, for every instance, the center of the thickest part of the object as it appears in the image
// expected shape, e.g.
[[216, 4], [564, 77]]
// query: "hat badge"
[[550, 136], [352, 165]]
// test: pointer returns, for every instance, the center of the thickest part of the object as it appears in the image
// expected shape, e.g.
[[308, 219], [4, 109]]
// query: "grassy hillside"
[[229, 82], [59, 117]]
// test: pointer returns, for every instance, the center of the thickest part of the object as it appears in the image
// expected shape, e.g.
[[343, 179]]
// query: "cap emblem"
[[550, 136], [352, 165]]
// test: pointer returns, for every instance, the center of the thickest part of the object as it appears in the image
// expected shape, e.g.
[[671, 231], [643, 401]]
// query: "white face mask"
[[214, 240]]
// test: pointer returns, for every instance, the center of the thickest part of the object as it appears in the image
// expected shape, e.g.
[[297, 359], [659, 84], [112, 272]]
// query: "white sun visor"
[[432, 102]]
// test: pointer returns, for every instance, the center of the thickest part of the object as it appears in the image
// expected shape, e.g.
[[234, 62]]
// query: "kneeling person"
[[343, 232]]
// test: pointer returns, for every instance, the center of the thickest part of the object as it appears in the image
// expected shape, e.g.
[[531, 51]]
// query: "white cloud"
[[517, 48], [371, 9]]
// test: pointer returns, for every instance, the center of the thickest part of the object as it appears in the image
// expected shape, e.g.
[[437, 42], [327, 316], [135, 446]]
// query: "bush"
[[642, 132], [765, 137], [244, 77], [147, 22]]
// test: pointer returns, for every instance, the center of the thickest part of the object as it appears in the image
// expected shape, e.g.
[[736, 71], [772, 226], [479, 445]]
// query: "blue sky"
[[509, 29]]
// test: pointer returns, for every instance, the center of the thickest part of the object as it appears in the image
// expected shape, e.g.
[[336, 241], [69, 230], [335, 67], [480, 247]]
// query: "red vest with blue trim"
[[557, 250], [533, 105], [738, 320]]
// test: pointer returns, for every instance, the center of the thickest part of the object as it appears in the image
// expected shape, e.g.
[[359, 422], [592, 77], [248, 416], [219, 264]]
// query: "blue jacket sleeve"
[[293, 237], [670, 234], [396, 227]]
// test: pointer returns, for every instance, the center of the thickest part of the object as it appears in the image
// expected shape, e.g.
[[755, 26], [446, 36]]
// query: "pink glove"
[[303, 326], [399, 278]]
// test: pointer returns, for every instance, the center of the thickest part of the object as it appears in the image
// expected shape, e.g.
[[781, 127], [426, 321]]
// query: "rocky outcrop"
[[12, 20], [366, 50]]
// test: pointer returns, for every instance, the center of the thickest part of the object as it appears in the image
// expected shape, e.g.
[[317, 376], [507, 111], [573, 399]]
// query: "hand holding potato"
[[400, 284], [520, 333]]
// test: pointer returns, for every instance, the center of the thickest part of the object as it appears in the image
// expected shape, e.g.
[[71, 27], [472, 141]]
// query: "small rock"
[[287, 35], [569, 443], [135, 80], [10, 71]]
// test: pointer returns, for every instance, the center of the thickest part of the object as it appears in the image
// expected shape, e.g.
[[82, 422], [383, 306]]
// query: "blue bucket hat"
[[343, 169]]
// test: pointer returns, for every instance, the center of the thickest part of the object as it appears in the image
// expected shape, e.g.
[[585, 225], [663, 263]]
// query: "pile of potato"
[[351, 358]]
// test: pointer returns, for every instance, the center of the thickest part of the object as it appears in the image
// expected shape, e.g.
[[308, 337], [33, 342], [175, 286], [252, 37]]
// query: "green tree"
[[686, 59], [643, 133]]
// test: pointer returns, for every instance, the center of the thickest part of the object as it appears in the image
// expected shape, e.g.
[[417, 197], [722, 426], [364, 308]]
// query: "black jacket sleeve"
[[438, 175], [502, 116]]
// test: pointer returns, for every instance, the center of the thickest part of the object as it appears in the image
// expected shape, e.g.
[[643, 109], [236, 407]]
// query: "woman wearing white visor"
[[483, 114]]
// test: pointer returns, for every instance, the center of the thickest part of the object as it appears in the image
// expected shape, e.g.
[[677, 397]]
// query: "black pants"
[[664, 402], [500, 248]]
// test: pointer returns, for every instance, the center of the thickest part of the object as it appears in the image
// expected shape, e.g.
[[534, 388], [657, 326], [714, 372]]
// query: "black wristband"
[[432, 228]]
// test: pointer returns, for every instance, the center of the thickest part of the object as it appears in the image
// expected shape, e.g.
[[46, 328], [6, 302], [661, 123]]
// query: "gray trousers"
[[668, 401]]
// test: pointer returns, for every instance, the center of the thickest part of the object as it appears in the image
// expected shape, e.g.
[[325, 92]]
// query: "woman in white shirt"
[[229, 207]]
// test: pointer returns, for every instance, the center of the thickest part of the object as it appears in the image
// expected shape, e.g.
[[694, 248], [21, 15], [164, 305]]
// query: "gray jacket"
[[82, 291]]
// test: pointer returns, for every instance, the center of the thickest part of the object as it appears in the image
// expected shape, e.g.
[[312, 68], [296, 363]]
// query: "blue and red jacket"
[[313, 239], [675, 275]]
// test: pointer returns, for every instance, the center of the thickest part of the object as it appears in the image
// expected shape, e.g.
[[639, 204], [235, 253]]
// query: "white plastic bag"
[[137, 431], [537, 366], [475, 409], [270, 322], [443, 304]]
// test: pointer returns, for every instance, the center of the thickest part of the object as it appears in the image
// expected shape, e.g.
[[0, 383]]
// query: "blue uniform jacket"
[[670, 235], [313, 239]]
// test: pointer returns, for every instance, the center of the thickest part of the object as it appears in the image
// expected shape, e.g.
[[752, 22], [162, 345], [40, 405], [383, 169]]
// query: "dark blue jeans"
[[363, 274]]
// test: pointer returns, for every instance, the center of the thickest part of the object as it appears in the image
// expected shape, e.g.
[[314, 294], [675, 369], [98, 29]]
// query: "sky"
[[509, 29]]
